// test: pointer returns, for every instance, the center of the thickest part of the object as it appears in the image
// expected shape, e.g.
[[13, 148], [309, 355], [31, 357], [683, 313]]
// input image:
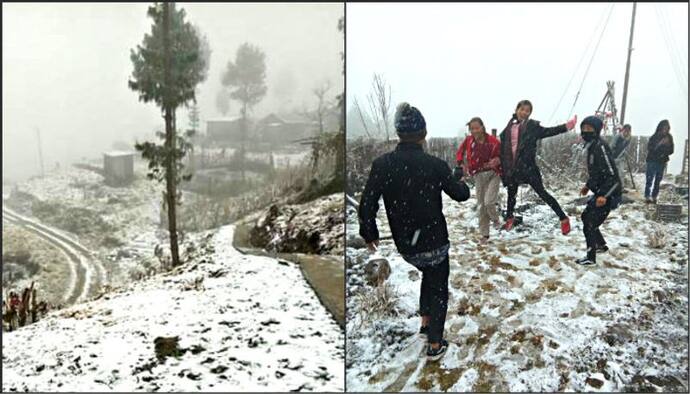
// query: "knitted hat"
[[408, 119], [594, 122]]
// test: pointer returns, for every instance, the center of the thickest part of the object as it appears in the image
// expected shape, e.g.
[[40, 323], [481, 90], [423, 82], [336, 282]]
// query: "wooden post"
[[627, 65]]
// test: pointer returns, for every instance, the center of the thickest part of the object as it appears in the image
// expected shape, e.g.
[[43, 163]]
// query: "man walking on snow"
[[604, 182], [411, 182]]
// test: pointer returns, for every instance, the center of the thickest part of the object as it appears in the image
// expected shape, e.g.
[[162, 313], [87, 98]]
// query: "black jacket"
[[657, 152], [603, 175], [619, 145], [411, 182], [517, 171]]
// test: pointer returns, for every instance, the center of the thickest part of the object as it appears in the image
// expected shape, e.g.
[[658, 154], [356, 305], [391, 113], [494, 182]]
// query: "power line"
[[682, 85], [591, 60], [591, 39], [683, 67]]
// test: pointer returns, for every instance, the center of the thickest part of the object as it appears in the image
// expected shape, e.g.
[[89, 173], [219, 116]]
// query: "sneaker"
[[565, 226], [585, 261], [509, 224], [602, 249], [435, 354], [424, 331], [647, 200]]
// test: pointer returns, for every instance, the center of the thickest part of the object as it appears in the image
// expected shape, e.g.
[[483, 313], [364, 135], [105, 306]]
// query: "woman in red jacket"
[[482, 152]]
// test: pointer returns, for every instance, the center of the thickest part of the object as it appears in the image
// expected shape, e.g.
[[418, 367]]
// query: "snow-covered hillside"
[[523, 316], [244, 323]]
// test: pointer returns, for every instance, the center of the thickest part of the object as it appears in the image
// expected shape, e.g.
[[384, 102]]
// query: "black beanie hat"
[[594, 122], [408, 119]]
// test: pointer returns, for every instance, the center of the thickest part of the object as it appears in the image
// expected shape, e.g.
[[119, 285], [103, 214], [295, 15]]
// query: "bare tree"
[[380, 104], [361, 117], [322, 103]]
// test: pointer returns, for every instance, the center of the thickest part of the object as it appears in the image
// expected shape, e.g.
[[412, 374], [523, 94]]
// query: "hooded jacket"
[[658, 152], [516, 170], [604, 180], [411, 182]]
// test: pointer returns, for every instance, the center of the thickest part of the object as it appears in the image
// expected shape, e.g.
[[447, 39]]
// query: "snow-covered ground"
[[120, 225], [522, 316], [244, 323]]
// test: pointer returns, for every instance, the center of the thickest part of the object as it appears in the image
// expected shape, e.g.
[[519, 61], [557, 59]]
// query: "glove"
[[571, 123], [458, 173], [584, 191], [601, 201], [494, 163]]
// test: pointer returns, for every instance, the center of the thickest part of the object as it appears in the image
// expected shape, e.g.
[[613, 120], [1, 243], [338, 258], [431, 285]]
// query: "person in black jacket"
[[411, 182], [659, 148], [518, 159], [605, 184]]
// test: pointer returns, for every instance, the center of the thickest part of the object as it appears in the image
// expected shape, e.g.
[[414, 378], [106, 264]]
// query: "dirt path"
[[88, 274]]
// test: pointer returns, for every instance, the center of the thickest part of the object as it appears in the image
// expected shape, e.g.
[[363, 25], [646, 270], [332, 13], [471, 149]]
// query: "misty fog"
[[65, 71], [457, 61]]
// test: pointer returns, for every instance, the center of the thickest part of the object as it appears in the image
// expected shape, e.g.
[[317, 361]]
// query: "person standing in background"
[[659, 148]]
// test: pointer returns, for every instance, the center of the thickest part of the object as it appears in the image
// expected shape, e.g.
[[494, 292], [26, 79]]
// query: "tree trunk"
[[171, 192], [243, 137]]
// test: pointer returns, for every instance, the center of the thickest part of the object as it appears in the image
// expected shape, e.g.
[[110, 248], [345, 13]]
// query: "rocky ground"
[[209, 325], [522, 315], [316, 227]]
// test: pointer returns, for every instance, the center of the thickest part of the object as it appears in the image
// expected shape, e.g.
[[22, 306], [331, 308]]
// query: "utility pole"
[[40, 151], [627, 65]]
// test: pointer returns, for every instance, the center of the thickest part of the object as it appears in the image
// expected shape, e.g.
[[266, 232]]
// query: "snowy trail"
[[87, 273], [522, 316], [244, 323]]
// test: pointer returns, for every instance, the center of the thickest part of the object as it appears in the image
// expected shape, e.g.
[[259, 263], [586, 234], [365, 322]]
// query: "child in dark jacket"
[[519, 163], [605, 184], [411, 182]]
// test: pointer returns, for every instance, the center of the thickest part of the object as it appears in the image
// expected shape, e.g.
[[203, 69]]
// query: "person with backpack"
[[659, 148], [482, 152], [519, 163], [604, 183], [411, 182]]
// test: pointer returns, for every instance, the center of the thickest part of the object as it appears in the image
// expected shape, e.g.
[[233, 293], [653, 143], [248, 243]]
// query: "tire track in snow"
[[88, 274]]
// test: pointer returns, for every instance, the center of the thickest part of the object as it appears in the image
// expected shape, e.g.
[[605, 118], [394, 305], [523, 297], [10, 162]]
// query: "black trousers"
[[592, 218], [433, 298], [538, 186], [433, 294]]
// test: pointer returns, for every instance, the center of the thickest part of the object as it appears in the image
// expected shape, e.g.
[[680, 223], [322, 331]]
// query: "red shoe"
[[565, 226], [509, 224]]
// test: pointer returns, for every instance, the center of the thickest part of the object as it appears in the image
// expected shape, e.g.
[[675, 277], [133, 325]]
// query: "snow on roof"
[[118, 153], [230, 119]]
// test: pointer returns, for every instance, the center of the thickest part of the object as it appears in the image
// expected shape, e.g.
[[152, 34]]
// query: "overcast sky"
[[65, 69], [456, 61]]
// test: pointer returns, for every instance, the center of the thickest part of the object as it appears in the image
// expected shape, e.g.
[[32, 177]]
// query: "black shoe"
[[602, 249], [435, 354], [424, 331], [585, 261]]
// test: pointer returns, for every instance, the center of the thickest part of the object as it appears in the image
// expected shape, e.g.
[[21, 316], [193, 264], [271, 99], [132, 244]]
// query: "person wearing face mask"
[[604, 183], [411, 182], [483, 152], [659, 148], [518, 160]]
